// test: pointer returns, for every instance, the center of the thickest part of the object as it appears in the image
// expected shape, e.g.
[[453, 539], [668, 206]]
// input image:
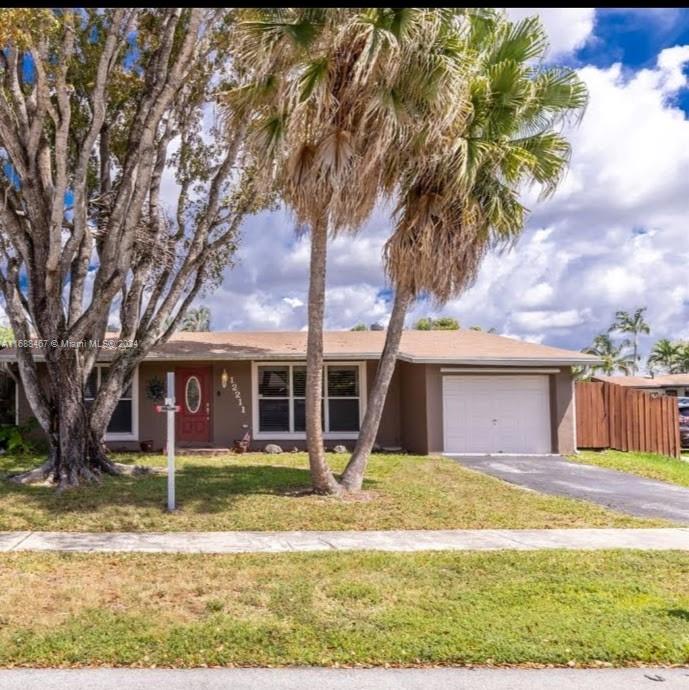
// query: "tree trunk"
[[353, 476], [81, 457], [322, 478], [76, 454]]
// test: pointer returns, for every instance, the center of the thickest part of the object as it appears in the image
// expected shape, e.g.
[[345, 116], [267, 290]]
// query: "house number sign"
[[237, 394]]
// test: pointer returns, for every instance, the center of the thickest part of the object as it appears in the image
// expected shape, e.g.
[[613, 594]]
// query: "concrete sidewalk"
[[346, 679], [401, 540]]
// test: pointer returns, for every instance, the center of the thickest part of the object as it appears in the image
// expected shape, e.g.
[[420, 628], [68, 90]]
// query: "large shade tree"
[[94, 105], [336, 97], [460, 195]]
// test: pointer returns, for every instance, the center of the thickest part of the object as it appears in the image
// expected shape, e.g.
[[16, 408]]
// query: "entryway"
[[194, 396]]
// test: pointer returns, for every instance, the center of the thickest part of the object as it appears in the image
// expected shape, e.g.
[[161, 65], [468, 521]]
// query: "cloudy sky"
[[615, 236]]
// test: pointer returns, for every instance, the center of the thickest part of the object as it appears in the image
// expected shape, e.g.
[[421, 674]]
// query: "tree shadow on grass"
[[682, 614], [201, 489]]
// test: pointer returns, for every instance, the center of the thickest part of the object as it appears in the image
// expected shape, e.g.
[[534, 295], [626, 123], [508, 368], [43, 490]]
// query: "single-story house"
[[452, 391], [666, 384]]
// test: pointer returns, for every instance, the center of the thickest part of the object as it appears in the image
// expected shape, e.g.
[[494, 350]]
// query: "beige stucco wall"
[[434, 408], [389, 430], [562, 411], [413, 427]]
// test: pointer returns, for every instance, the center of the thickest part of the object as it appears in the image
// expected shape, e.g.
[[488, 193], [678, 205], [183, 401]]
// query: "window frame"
[[121, 435], [301, 435]]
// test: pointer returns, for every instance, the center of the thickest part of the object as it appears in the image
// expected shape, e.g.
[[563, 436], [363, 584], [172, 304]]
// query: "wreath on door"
[[155, 389]]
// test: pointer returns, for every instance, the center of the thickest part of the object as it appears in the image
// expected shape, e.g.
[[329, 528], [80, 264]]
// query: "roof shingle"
[[463, 346], [647, 381], [452, 347]]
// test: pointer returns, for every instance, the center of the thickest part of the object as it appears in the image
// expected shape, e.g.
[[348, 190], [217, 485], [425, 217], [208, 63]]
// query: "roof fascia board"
[[500, 361], [485, 361]]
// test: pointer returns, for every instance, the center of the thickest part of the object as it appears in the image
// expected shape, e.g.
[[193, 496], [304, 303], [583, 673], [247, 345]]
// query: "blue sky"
[[634, 37], [613, 237]]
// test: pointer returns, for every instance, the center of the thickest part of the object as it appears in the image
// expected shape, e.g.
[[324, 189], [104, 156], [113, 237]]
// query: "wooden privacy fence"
[[612, 416]]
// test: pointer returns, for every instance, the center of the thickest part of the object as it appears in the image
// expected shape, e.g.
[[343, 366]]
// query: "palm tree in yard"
[[334, 99], [614, 357], [634, 324], [666, 355], [459, 197]]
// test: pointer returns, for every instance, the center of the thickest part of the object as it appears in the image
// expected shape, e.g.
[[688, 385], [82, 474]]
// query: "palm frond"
[[314, 76], [521, 41]]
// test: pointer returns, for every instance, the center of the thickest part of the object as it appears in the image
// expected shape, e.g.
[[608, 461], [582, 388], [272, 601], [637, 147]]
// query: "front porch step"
[[205, 450]]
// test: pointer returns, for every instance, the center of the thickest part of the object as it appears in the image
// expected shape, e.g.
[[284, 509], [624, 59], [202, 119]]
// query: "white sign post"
[[170, 409]]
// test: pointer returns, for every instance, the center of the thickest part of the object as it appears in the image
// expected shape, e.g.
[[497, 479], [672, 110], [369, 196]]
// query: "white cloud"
[[534, 321], [537, 295], [293, 302], [568, 27]]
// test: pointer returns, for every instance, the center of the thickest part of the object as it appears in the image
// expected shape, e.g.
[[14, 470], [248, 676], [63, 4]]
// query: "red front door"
[[193, 395]]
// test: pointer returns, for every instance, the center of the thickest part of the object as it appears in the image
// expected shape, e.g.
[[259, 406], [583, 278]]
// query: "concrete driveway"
[[555, 475]]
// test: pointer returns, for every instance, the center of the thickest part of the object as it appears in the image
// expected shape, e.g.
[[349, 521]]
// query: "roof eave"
[[502, 361], [251, 356], [297, 356]]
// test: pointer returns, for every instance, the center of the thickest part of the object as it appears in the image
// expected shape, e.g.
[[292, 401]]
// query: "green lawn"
[[589, 608], [265, 492], [644, 464]]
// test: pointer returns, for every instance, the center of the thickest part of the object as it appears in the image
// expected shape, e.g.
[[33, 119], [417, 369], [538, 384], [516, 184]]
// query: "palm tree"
[[333, 97], [680, 363], [197, 320], [614, 357], [460, 197], [631, 323], [665, 354]]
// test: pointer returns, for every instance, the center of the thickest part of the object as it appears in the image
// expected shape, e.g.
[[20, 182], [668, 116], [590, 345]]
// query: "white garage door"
[[496, 414]]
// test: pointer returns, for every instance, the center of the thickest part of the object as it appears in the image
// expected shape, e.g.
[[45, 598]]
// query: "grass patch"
[[647, 465], [351, 609], [263, 492]]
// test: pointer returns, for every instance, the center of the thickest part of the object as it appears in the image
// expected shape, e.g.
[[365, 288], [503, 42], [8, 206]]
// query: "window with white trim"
[[281, 392], [122, 420]]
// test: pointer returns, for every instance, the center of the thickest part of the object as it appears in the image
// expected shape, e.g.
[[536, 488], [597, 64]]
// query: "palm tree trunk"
[[636, 356], [322, 478], [353, 476]]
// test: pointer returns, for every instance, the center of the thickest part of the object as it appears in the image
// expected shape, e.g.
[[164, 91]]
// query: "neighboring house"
[[666, 384], [452, 391]]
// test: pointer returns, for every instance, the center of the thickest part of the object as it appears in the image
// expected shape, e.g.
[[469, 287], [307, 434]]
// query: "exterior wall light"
[[224, 378]]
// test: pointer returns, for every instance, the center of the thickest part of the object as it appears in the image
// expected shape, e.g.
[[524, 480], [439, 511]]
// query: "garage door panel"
[[497, 414]]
